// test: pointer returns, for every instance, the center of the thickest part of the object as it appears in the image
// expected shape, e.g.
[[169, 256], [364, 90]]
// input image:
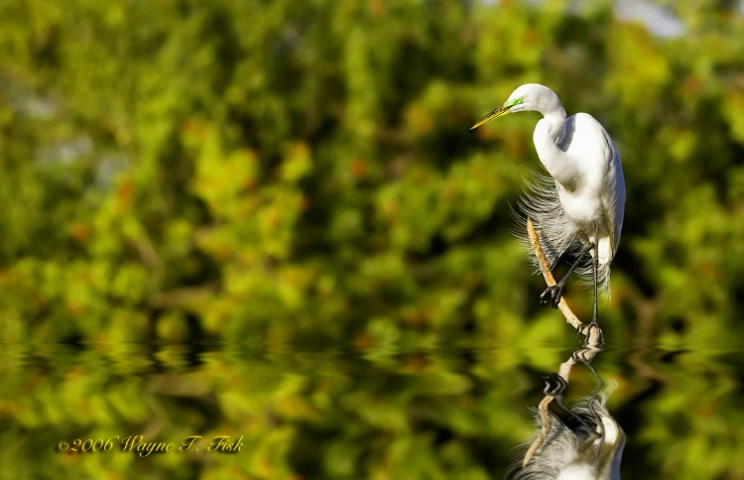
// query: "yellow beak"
[[502, 110]]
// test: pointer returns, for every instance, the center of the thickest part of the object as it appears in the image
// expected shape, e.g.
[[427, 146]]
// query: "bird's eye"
[[519, 100]]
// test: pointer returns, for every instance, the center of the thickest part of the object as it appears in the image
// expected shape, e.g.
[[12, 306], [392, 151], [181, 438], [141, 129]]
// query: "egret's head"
[[530, 96]]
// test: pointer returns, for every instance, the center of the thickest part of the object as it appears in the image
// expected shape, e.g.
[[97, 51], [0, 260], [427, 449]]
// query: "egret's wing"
[[613, 195]]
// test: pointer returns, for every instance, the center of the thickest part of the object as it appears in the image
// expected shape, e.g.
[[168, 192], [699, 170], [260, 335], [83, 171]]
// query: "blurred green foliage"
[[303, 172], [294, 171]]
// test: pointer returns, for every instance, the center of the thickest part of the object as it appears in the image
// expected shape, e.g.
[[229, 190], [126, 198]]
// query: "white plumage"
[[592, 451], [580, 206]]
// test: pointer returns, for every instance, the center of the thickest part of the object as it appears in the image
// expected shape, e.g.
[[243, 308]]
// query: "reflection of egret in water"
[[579, 443]]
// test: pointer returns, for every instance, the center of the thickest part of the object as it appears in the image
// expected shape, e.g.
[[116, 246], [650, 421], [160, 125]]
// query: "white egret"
[[579, 211], [583, 443]]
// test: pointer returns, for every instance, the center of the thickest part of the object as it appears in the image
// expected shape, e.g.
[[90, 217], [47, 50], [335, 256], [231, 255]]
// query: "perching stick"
[[546, 421], [592, 332]]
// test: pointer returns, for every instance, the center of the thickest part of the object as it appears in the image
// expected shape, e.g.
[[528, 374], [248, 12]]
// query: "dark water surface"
[[277, 411]]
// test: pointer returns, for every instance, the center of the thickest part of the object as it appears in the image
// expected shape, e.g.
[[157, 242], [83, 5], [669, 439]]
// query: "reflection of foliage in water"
[[320, 167], [440, 413], [314, 414]]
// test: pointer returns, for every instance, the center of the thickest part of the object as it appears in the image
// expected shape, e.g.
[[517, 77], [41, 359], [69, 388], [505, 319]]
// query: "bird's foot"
[[555, 385], [552, 294], [593, 334]]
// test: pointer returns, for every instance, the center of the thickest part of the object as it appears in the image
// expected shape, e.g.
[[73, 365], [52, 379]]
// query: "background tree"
[[303, 172]]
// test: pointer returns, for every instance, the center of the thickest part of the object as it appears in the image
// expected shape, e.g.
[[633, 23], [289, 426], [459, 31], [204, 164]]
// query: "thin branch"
[[546, 421], [592, 332]]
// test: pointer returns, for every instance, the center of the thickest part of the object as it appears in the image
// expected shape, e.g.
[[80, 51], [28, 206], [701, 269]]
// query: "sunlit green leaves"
[[303, 171]]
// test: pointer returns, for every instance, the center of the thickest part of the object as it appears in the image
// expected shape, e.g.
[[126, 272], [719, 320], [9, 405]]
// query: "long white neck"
[[549, 134]]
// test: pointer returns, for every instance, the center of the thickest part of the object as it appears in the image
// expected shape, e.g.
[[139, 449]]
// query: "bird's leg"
[[556, 386], [595, 268], [599, 426], [554, 293]]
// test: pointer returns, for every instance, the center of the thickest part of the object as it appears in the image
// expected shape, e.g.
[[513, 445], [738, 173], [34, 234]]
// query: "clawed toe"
[[555, 385], [552, 295], [593, 334]]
